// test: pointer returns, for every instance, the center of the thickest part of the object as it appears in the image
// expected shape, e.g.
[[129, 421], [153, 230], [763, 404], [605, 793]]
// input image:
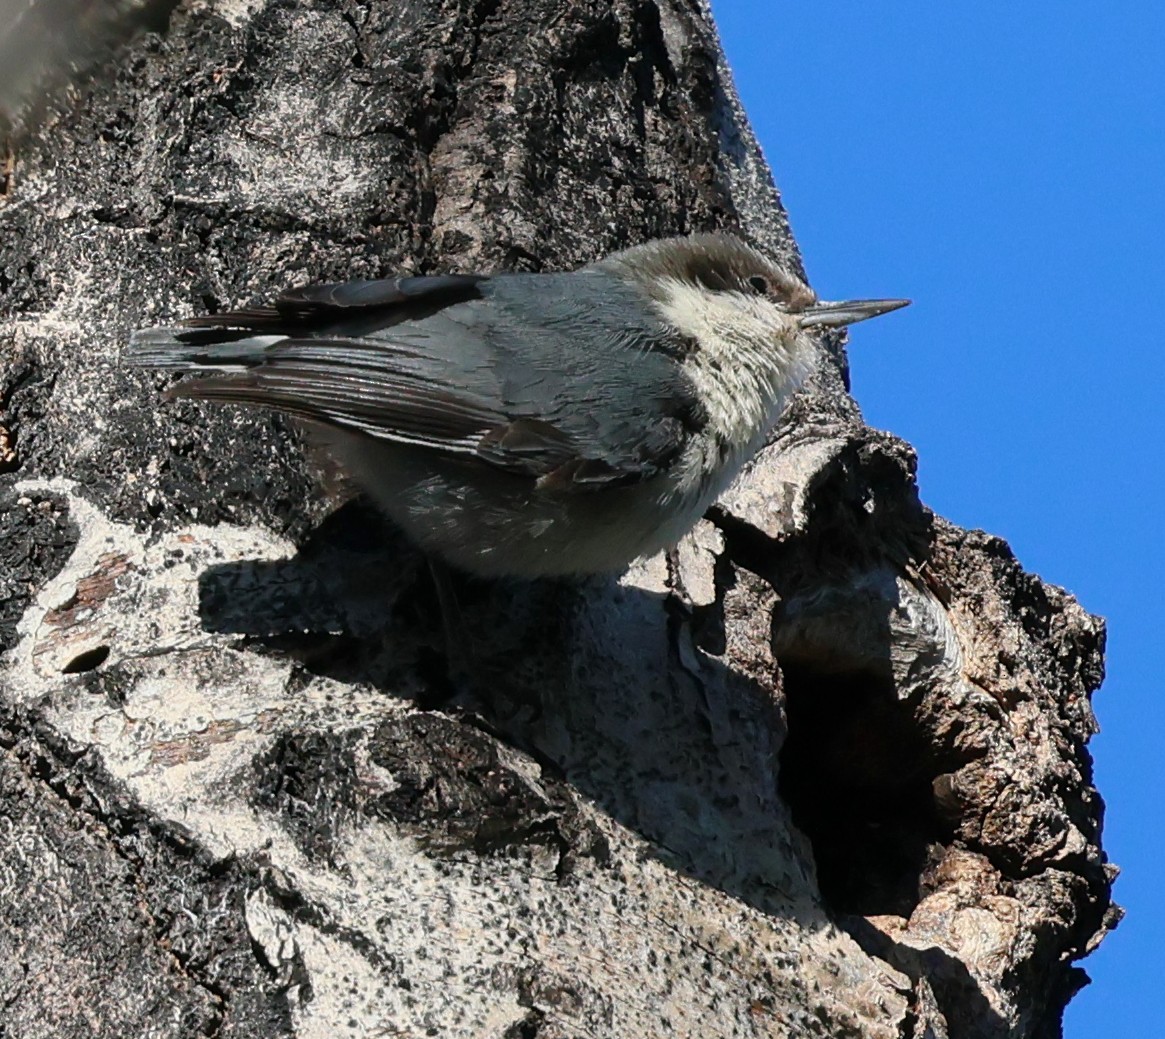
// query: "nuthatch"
[[531, 424]]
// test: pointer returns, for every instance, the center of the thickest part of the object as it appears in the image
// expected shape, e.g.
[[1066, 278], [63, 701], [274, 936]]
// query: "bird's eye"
[[759, 284]]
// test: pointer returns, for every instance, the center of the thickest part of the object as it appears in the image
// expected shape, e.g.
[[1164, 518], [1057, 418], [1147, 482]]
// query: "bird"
[[530, 424]]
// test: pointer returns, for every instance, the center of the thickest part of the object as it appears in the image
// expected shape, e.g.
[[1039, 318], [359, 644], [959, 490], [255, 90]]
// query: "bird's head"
[[717, 285]]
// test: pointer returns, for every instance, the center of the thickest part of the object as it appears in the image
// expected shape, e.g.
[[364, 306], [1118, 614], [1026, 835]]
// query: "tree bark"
[[820, 772]]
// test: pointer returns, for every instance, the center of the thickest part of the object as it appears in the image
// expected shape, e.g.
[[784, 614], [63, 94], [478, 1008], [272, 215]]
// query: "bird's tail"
[[197, 349]]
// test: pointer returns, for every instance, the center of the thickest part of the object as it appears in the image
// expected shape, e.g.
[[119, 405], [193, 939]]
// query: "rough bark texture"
[[821, 773]]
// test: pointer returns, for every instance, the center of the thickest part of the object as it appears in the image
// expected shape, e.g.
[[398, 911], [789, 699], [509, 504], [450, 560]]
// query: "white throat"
[[750, 358]]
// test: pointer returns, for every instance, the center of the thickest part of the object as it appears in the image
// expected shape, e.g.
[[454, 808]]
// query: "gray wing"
[[313, 305], [566, 379]]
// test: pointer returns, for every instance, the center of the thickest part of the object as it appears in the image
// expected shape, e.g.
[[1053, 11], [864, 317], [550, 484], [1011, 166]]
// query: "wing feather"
[[329, 301], [537, 375]]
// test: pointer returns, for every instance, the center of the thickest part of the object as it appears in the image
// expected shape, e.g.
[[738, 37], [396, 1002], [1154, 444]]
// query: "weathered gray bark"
[[238, 796]]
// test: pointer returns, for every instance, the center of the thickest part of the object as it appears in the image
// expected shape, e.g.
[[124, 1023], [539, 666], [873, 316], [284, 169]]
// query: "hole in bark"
[[90, 660], [528, 1027], [856, 772]]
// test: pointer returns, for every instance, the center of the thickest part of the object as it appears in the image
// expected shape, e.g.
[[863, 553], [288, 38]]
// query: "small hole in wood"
[[87, 661]]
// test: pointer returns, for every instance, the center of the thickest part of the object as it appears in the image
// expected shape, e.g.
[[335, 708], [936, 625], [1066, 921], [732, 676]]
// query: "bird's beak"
[[836, 315]]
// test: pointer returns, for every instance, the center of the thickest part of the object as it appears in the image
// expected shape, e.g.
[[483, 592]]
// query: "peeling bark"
[[821, 771]]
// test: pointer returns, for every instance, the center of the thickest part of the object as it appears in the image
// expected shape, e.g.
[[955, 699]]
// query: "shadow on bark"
[[856, 768]]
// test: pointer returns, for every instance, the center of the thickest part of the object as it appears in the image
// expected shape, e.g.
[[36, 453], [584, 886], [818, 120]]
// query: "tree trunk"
[[821, 772]]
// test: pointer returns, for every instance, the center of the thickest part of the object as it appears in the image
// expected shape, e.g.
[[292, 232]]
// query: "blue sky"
[[1002, 165]]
